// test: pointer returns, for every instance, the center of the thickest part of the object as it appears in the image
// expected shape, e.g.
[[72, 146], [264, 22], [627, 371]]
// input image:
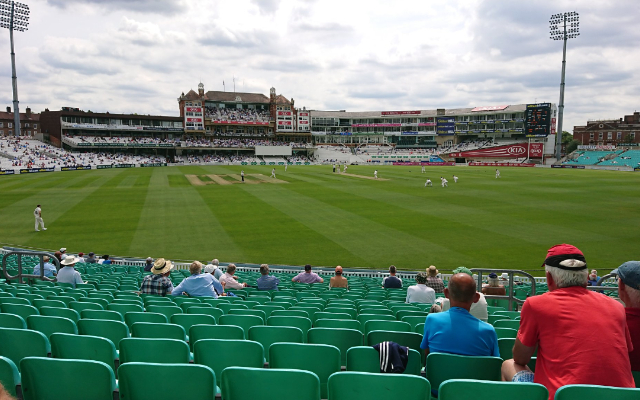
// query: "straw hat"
[[161, 266], [69, 260], [432, 270]]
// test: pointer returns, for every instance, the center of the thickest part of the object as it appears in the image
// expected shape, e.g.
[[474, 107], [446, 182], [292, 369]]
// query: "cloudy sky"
[[139, 55]]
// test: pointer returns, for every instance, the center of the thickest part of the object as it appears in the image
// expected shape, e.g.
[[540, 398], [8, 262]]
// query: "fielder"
[[38, 214], [428, 183], [242, 175], [286, 164], [424, 169], [444, 182], [273, 173], [345, 169], [375, 174], [455, 179], [497, 173]]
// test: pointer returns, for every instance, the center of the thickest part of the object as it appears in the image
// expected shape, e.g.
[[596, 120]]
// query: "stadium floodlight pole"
[[558, 25], [14, 16]]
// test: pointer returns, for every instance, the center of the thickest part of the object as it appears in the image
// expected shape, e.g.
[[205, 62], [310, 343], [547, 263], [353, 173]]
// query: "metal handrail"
[[20, 254], [510, 297]]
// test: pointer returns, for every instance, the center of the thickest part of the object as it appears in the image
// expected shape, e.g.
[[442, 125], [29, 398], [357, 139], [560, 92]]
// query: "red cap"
[[562, 249]]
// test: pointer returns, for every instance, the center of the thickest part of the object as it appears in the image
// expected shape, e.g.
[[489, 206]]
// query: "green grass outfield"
[[325, 219]]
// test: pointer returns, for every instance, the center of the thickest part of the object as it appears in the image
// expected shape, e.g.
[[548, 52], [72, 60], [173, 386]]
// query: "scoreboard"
[[537, 120]]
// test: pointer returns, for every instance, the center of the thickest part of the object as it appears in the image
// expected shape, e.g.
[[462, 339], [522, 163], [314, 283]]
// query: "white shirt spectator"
[[69, 275], [230, 283], [478, 310], [421, 293]]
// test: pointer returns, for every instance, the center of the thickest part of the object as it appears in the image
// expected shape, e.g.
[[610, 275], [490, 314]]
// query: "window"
[[35, 126], [600, 135], [632, 135], [10, 132], [609, 135], [619, 135], [1, 124], [591, 135], [10, 125]]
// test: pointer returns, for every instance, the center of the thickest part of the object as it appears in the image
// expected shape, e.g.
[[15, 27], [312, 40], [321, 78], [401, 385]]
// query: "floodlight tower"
[[563, 27], [14, 16]]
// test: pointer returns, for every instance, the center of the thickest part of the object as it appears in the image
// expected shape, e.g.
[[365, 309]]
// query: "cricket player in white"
[[424, 169], [38, 214], [286, 164], [428, 183], [444, 181], [345, 169], [375, 174], [242, 175], [455, 179], [273, 173], [497, 173]]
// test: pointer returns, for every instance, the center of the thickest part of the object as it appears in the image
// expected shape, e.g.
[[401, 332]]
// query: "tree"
[[566, 137], [572, 146]]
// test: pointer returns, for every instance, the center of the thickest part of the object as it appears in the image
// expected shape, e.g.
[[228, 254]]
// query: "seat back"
[[188, 320], [22, 310], [279, 381], [454, 389], [131, 318], [592, 392], [102, 314], [16, 344], [212, 311], [112, 330], [338, 323], [289, 313], [122, 309], [80, 306], [504, 323], [364, 318], [362, 385], [229, 332], [150, 330], [50, 378], [321, 359], [167, 311], [441, 367], [61, 312], [9, 375], [367, 359], [50, 325], [267, 335], [506, 333], [243, 321], [343, 339], [83, 347], [12, 321], [139, 381], [298, 322], [391, 326], [161, 351], [219, 354]]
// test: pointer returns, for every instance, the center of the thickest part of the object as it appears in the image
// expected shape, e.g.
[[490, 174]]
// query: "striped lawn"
[[325, 219]]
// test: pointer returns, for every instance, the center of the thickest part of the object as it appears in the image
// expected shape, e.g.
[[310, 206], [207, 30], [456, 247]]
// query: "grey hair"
[[567, 278], [215, 262], [634, 297]]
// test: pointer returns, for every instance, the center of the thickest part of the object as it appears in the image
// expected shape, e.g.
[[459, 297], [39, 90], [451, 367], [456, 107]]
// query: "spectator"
[[149, 264], [58, 255], [629, 292], [392, 281], [456, 331], [67, 273], [199, 284], [338, 281], [593, 278], [215, 266], [420, 292], [479, 308], [81, 257], [228, 279], [267, 282], [91, 259], [158, 282], [433, 280], [307, 276], [555, 324], [494, 287], [105, 260], [63, 253], [49, 269]]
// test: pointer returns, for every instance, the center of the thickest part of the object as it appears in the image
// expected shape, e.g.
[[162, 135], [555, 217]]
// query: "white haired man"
[[629, 292], [555, 323], [213, 268]]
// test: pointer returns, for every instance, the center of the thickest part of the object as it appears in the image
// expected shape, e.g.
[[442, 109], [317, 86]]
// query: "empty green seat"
[[20, 309], [441, 367], [122, 309], [188, 320], [303, 323], [243, 321], [267, 335], [162, 351], [506, 333], [50, 325], [112, 330], [158, 331], [513, 324], [140, 381], [214, 312], [83, 347], [9, 375], [14, 300], [167, 311], [364, 386], [290, 313], [132, 317], [12, 321], [392, 326], [338, 323], [229, 332], [282, 384], [455, 389], [364, 318], [102, 314], [39, 303], [255, 313], [343, 339], [367, 359], [592, 392], [16, 344]]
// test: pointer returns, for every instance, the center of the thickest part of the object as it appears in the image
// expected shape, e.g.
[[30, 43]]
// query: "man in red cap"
[[555, 324]]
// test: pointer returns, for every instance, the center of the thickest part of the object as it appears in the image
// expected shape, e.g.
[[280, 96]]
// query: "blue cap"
[[629, 272]]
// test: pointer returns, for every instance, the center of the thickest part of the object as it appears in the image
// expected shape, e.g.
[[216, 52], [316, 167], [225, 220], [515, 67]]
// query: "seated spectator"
[[148, 265], [307, 276], [49, 269], [215, 267], [456, 331], [494, 287], [228, 279], [67, 273], [63, 253], [392, 281], [91, 259], [81, 257], [198, 284], [105, 260], [338, 281], [433, 280], [555, 324], [478, 308], [629, 292], [593, 278], [158, 283], [266, 281], [420, 292]]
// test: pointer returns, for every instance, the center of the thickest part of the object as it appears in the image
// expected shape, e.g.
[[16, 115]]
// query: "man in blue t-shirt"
[[456, 331]]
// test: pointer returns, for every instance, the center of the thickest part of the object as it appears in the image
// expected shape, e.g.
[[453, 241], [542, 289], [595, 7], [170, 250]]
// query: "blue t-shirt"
[[199, 285], [267, 282], [458, 332]]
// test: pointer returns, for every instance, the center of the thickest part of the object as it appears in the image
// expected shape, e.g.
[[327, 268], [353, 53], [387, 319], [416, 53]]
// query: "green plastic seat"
[[492, 318], [22, 310], [83, 347], [323, 360], [188, 320], [14, 300], [255, 313], [122, 309], [302, 323], [362, 385], [367, 359], [80, 306], [269, 308], [279, 381], [229, 332], [311, 310], [12, 321], [9, 375], [102, 314], [413, 320], [411, 340], [330, 315], [506, 333], [181, 299], [442, 367], [243, 321], [338, 323], [592, 392], [16, 344], [290, 313], [161, 351], [186, 306], [508, 314], [50, 325], [219, 354], [61, 312], [158, 331], [342, 310], [455, 389], [392, 326], [132, 317], [212, 311], [267, 335], [226, 307], [513, 324], [139, 381], [39, 303], [364, 318], [343, 339], [96, 300], [167, 311], [98, 380], [112, 330]]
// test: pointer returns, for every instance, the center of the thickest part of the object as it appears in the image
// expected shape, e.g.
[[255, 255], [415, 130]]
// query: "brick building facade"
[[29, 123], [616, 132]]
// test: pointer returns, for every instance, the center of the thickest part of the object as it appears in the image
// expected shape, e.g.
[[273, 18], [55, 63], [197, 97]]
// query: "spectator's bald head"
[[462, 288]]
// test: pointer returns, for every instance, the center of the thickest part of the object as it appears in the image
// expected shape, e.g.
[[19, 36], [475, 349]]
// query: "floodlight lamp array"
[[20, 15], [564, 26]]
